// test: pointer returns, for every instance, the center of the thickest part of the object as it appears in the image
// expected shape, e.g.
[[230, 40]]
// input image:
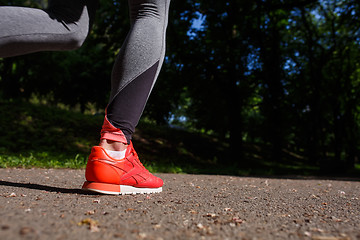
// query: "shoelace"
[[135, 155]]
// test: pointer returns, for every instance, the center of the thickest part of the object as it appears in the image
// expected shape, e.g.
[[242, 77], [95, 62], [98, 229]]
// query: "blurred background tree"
[[281, 75]]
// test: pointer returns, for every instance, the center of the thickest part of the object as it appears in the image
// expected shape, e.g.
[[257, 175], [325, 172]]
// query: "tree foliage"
[[283, 74]]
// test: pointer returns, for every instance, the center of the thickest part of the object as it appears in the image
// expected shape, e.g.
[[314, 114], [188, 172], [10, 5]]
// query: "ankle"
[[112, 145]]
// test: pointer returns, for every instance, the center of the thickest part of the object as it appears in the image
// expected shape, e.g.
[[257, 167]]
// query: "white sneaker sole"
[[121, 189]]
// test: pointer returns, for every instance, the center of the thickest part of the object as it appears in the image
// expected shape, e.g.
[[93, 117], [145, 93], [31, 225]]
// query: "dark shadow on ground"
[[300, 177], [46, 188]]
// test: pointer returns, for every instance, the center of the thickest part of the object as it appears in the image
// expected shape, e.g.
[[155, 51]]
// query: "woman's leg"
[[63, 26], [136, 68], [133, 77]]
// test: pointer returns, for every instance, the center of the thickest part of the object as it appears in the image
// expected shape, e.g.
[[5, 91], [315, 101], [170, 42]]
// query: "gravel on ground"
[[48, 204]]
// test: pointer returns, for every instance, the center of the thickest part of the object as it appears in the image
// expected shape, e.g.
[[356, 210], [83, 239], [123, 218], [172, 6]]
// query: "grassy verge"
[[39, 136], [34, 135]]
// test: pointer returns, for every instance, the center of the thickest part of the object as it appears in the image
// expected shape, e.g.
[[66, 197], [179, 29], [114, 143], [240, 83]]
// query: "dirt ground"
[[47, 204]]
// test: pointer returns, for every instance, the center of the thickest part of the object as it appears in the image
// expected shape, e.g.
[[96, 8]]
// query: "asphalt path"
[[48, 204]]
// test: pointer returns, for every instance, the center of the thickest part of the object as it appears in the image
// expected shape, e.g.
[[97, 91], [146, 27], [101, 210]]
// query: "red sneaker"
[[126, 176]]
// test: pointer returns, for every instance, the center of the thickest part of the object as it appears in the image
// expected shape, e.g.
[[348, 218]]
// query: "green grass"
[[42, 160], [35, 135], [357, 167], [39, 136]]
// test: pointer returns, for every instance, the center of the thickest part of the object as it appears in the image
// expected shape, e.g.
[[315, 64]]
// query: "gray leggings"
[[65, 25]]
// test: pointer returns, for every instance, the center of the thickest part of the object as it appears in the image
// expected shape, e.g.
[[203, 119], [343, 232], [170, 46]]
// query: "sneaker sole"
[[113, 189]]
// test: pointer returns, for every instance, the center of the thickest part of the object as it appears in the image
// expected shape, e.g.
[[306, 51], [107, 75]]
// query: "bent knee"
[[75, 20], [76, 40]]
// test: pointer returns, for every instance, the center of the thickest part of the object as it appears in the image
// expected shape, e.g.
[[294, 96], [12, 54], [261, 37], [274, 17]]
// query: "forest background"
[[259, 83]]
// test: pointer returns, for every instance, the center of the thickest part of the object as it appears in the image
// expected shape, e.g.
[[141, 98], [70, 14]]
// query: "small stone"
[[157, 226], [91, 212], [200, 226], [142, 235]]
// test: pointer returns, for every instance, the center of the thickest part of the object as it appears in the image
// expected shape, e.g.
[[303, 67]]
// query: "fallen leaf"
[[87, 221], [193, 211], [26, 230], [93, 225]]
